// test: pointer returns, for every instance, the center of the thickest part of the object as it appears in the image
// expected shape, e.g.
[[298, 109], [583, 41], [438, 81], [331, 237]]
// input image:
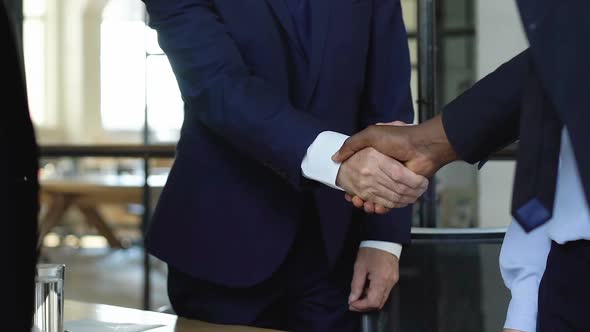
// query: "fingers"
[[388, 195], [402, 194], [383, 199], [375, 299], [354, 144], [374, 208], [392, 140], [347, 197], [382, 195], [382, 270], [369, 207], [399, 185], [379, 180], [406, 182], [379, 209], [358, 202], [357, 286]]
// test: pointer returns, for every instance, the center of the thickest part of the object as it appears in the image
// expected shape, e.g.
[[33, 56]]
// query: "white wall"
[[499, 34], [499, 37]]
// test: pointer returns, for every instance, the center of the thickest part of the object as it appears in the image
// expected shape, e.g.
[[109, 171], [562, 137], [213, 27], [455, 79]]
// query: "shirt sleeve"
[[522, 264], [317, 164], [391, 247]]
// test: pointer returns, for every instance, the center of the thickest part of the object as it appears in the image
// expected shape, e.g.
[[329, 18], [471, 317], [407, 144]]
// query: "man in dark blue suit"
[[251, 222], [19, 189], [540, 98]]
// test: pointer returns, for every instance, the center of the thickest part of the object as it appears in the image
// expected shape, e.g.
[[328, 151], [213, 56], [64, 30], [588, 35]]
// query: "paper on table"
[[87, 325]]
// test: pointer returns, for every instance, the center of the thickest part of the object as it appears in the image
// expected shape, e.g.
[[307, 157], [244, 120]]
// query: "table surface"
[[112, 314]]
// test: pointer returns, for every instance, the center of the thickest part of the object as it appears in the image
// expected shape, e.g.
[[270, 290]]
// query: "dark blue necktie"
[[300, 12], [538, 157]]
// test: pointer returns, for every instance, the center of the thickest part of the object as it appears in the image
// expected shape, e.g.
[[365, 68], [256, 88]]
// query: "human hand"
[[368, 206], [376, 178], [381, 270], [422, 148]]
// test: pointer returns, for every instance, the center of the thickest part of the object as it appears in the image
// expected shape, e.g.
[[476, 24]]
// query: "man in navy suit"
[[251, 221], [539, 98], [19, 187]]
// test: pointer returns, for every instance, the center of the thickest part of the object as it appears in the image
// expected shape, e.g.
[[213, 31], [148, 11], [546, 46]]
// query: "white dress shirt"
[[318, 165], [523, 256]]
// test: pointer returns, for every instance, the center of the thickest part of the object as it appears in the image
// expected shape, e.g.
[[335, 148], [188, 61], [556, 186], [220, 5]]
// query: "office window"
[[122, 64], [164, 103], [410, 16], [136, 74], [34, 46]]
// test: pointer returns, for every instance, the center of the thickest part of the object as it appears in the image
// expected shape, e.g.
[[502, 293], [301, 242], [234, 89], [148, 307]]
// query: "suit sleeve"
[[223, 94], [486, 117], [388, 98]]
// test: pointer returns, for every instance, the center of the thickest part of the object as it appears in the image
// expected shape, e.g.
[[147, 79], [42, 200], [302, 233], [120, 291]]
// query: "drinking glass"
[[49, 298]]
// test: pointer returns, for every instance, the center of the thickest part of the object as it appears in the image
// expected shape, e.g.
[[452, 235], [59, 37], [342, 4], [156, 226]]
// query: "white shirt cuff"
[[392, 248], [318, 164]]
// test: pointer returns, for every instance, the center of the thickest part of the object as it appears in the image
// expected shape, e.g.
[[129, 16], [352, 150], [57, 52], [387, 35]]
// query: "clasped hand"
[[380, 150], [377, 182]]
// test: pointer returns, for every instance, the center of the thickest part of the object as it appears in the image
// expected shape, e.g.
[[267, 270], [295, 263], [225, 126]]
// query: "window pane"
[[34, 7], [123, 10], [34, 53], [122, 75], [165, 106], [410, 10]]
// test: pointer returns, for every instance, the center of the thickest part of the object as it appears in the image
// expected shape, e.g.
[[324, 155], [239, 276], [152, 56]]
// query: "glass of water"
[[49, 298]]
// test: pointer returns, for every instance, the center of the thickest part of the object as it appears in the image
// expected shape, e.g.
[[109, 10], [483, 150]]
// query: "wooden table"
[[74, 310], [86, 193]]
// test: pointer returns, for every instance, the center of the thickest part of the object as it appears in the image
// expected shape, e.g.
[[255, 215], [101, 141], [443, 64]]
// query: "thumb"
[[353, 144], [357, 286]]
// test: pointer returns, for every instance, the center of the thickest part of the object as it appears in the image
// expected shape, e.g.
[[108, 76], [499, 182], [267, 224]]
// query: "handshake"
[[387, 166]]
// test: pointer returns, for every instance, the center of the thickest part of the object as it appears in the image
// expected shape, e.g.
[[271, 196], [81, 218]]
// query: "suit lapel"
[[321, 13], [282, 13]]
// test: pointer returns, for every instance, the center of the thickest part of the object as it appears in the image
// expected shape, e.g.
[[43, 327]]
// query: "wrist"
[[341, 177], [432, 147], [338, 176]]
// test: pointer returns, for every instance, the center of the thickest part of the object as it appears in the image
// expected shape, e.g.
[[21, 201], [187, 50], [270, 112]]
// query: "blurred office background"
[[107, 109]]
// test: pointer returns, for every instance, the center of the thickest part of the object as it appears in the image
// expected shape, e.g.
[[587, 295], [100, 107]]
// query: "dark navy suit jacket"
[[487, 117], [19, 187], [253, 105]]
